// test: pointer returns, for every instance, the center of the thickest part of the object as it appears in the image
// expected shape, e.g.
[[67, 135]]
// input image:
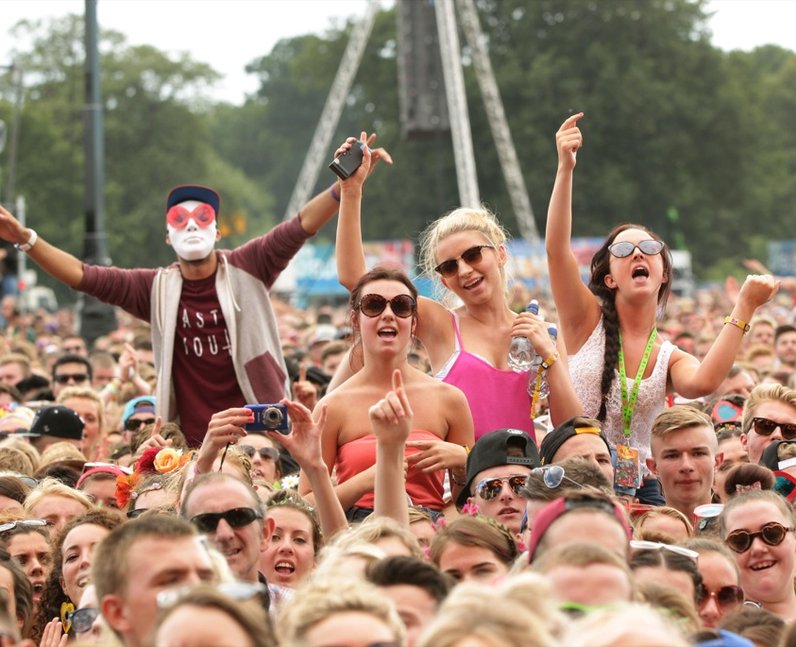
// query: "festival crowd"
[[225, 469]]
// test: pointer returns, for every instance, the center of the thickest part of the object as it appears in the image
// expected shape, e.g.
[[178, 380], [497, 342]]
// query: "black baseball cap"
[[57, 421], [498, 448], [193, 192], [554, 440]]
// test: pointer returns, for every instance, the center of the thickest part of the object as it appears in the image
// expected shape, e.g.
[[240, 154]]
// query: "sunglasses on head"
[[134, 424], [264, 452], [82, 619], [372, 305], [236, 518], [77, 378], [470, 256], [553, 476], [766, 427], [488, 489], [22, 523], [178, 217], [626, 248], [640, 544], [239, 591], [772, 533], [726, 597]]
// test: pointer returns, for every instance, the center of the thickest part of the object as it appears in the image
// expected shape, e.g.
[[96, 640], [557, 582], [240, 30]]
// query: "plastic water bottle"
[[522, 356], [544, 387]]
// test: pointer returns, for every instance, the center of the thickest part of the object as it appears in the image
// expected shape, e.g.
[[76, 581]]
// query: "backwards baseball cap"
[[501, 447], [57, 421], [573, 427], [193, 192], [141, 404], [580, 501]]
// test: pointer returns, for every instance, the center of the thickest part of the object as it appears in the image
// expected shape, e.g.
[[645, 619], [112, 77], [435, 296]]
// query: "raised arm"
[[56, 262], [349, 252], [391, 421], [563, 401], [304, 444], [578, 309], [693, 379]]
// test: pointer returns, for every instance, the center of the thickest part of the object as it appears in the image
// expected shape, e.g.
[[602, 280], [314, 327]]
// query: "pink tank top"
[[498, 399], [424, 489]]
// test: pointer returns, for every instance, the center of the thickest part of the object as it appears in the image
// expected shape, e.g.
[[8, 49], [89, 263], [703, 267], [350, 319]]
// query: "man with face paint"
[[214, 333]]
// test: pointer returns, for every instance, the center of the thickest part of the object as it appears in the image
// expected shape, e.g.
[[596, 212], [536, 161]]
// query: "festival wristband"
[[334, 193], [738, 323]]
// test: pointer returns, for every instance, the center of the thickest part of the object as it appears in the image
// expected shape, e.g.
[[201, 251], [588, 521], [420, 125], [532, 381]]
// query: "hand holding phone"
[[346, 164]]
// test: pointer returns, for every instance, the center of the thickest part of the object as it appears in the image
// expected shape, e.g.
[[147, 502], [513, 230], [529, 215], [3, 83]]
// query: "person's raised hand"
[[758, 289], [11, 229], [391, 417], [304, 440], [569, 141]]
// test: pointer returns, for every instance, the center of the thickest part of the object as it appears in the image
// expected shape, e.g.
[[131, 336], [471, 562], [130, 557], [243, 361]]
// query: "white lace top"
[[586, 369]]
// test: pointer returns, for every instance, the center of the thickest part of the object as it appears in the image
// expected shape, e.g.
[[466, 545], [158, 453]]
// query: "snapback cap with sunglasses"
[[141, 404], [501, 447]]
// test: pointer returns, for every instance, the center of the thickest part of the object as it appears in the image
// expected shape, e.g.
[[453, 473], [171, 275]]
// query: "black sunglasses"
[[469, 256], [372, 305], [134, 514], [766, 427], [264, 452], [626, 248], [488, 489], [77, 378], [236, 518], [726, 596], [134, 424], [82, 619], [772, 533]]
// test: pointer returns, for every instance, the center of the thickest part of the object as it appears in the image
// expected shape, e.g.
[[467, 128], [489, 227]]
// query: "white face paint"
[[193, 243]]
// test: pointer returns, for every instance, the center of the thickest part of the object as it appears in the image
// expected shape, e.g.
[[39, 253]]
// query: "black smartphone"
[[346, 164]]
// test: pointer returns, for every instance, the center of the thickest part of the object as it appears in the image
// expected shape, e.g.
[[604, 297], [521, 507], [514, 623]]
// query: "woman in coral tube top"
[[384, 317]]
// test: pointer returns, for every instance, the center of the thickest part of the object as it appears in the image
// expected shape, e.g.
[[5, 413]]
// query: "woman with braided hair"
[[621, 368]]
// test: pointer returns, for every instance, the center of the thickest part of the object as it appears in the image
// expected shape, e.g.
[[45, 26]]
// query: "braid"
[[611, 355]]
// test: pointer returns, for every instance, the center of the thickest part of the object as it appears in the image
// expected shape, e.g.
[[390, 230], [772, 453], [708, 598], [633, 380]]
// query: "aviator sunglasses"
[[766, 427], [470, 256], [488, 489], [626, 248], [372, 305], [772, 533], [178, 216]]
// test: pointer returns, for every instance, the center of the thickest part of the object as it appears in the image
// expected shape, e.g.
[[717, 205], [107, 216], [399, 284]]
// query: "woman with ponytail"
[[621, 367]]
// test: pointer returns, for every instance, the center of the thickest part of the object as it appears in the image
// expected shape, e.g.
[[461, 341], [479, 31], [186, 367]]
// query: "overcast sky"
[[228, 34]]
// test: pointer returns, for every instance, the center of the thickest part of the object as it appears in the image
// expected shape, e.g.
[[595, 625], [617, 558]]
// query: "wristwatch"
[[24, 247]]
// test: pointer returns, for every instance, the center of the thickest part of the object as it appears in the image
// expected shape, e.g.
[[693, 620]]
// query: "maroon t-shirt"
[[203, 373]]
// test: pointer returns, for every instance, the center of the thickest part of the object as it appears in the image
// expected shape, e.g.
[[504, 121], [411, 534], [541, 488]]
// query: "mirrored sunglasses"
[[235, 517], [179, 217], [82, 619], [766, 427], [726, 597], [626, 248], [372, 305], [772, 533], [264, 452], [488, 489], [470, 256]]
